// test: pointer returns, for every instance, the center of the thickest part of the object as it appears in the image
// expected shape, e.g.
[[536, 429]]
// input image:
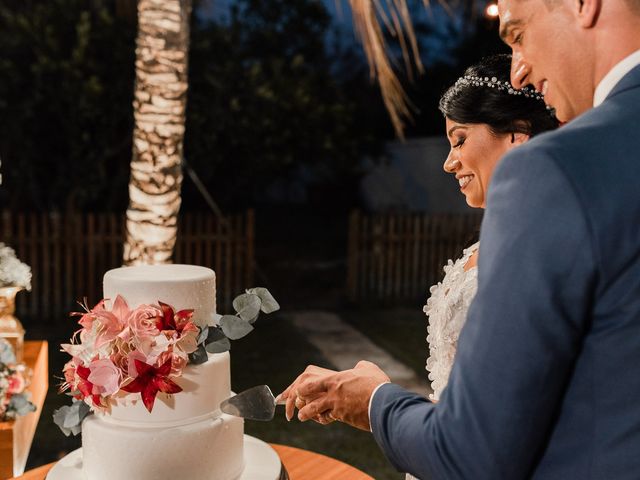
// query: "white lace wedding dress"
[[447, 309]]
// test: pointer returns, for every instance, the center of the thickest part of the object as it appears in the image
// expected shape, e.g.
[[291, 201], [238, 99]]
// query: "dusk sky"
[[434, 47]]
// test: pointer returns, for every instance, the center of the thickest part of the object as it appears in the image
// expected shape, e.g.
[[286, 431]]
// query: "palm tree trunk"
[[159, 110]]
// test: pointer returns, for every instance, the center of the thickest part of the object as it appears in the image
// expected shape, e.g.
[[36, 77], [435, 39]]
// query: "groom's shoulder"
[[584, 148]]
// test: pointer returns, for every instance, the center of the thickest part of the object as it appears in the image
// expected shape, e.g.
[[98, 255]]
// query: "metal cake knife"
[[256, 403]]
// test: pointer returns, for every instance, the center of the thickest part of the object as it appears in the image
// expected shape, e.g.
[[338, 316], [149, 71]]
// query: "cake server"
[[256, 403]]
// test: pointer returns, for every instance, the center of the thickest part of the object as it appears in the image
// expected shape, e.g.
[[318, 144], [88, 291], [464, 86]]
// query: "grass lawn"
[[274, 353]]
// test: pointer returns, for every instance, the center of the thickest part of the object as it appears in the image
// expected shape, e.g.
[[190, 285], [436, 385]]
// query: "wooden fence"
[[397, 257], [69, 254]]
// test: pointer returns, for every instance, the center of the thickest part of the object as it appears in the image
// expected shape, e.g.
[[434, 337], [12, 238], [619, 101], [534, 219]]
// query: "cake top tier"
[[181, 286]]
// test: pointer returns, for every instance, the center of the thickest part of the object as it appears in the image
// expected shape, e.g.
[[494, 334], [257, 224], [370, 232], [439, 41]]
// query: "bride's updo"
[[484, 95]]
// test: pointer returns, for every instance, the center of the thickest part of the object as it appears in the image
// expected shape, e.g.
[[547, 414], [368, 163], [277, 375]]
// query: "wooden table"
[[300, 464], [16, 436]]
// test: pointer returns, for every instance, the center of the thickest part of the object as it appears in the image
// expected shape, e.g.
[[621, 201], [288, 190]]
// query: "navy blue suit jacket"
[[546, 382]]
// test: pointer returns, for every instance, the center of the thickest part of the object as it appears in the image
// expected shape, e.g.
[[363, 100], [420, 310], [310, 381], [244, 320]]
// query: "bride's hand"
[[293, 400]]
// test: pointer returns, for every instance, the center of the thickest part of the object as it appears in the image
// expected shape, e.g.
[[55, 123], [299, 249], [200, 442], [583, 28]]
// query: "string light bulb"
[[492, 10]]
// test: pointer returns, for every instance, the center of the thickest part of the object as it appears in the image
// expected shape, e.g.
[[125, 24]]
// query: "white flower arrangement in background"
[[13, 273]]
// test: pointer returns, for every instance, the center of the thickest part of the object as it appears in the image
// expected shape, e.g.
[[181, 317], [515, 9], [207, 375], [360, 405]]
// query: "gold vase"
[[10, 327]]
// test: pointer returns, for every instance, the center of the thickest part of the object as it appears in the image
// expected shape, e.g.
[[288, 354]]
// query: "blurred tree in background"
[[262, 102], [66, 86]]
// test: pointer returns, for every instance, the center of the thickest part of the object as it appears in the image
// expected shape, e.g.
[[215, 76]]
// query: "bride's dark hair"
[[503, 112]]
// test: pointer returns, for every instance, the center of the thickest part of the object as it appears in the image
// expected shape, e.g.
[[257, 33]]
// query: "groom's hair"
[[502, 110]]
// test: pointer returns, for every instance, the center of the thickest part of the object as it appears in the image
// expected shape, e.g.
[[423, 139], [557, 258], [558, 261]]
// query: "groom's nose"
[[520, 70]]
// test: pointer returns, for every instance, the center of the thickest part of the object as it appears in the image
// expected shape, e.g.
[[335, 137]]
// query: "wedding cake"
[[140, 364]]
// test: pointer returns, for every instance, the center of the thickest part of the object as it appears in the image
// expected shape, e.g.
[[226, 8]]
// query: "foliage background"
[[276, 95]]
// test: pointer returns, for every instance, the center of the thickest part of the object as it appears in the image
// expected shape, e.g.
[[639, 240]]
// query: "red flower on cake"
[[85, 387], [179, 327], [150, 381], [174, 321]]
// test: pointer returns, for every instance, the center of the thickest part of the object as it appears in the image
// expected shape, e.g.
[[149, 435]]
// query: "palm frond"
[[394, 14]]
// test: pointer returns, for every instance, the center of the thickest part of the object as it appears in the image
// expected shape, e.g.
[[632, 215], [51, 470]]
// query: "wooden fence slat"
[[56, 263], [46, 266], [90, 259], [249, 267], [218, 265], [22, 252], [69, 254], [227, 293], [352, 255], [416, 256], [396, 257], [239, 247], [366, 256], [208, 253], [32, 241]]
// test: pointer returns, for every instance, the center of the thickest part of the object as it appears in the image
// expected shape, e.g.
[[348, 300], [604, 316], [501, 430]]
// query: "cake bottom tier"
[[210, 449]]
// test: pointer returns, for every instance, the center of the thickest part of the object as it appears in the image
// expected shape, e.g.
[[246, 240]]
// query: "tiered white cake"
[[185, 436]]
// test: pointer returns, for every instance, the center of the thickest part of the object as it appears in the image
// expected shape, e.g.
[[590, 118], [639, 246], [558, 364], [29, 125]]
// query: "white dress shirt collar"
[[612, 78]]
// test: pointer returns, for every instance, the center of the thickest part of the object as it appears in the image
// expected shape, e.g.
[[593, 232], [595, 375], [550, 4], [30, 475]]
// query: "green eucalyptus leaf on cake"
[[215, 333], [248, 306], [269, 304], [69, 418], [219, 346], [199, 356], [6, 352], [204, 333], [235, 327]]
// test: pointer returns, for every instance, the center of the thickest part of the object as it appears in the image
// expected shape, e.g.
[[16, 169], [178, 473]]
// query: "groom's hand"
[[290, 394], [342, 396]]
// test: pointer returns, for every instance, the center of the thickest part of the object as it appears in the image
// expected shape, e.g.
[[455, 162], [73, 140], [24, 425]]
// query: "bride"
[[485, 117]]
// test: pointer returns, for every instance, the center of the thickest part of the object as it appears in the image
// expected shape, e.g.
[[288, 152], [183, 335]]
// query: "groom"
[[546, 383]]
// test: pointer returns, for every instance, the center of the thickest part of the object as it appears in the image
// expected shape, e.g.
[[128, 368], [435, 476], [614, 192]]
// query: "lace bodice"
[[447, 309]]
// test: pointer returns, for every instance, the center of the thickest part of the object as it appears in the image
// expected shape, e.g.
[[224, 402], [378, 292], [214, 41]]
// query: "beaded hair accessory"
[[493, 82]]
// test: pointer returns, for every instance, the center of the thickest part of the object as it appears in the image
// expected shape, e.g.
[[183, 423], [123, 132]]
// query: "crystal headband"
[[493, 82]]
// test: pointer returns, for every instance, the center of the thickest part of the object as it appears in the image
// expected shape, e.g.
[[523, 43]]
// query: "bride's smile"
[[475, 151]]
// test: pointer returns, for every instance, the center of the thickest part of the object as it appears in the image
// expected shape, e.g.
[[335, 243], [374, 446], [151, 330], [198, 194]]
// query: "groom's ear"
[[519, 138], [587, 12]]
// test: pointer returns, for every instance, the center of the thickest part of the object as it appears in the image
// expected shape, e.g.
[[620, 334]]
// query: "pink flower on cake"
[[178, 358], [134, 356], [142, 322], [104, 376], [69, 371], [150, 381], [188, 341], [102, 325]]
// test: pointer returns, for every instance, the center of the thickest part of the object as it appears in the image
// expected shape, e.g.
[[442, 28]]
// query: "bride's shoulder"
[[467, 252], [455, 267], [454, 275]]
